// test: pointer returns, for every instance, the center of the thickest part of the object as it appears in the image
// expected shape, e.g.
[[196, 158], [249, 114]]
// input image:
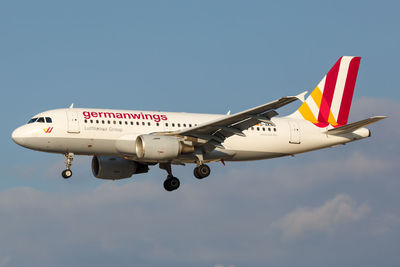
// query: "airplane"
[[126, 142]]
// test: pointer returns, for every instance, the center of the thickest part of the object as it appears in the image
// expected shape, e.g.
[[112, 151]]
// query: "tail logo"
[[330, 102], [48, 130]]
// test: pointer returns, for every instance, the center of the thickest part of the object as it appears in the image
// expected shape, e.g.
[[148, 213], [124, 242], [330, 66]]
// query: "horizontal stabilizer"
[[348, 128]]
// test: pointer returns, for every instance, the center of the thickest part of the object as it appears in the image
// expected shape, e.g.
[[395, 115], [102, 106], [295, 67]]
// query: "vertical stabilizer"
[[329, 103]]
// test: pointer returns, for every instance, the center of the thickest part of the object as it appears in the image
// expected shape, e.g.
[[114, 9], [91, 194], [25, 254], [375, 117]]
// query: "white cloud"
[[324, 219]]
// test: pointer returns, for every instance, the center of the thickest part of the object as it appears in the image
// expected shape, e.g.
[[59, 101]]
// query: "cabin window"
[[166, 124], [143, 123], [149, 123], [173, 124], [131, 122], [102, 121], [126, 123], [179, 125], [97, 121], [91, 121], [158, 124], [85, 121], [190, 125], [109, 122], [184, 125], [274, 129], [263, 129]]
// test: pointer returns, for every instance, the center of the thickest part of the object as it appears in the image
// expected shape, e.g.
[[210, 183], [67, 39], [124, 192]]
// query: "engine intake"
[[156, 147], [114, 168]]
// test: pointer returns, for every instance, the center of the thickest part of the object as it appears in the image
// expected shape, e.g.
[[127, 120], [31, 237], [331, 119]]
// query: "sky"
[[334, 207]]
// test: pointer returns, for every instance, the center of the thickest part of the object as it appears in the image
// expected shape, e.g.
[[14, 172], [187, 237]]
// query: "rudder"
[[329, 103]]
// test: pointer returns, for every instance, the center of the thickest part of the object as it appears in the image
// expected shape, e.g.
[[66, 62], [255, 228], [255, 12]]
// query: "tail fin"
[[329, 103]]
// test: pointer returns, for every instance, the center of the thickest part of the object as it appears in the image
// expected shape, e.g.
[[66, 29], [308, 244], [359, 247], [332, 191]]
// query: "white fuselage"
[[114, 132]]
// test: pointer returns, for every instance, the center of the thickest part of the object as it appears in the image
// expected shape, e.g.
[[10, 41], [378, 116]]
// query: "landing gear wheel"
[[66, 173], [196, 173], [201, 171], [171, 183], [69, 157]]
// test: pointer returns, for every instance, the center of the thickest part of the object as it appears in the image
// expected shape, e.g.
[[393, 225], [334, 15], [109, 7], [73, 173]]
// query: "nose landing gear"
[[69, 157]]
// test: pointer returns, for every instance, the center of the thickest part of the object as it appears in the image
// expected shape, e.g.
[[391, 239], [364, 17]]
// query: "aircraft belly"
[[255, 155], [83, 146], [256, 147]]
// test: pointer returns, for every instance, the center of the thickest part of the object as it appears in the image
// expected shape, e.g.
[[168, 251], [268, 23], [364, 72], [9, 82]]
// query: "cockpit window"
[[32, 120], [41, 119]]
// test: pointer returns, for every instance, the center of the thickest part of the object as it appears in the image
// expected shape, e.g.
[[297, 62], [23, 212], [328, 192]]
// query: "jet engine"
[[158, 147], [114, 168]]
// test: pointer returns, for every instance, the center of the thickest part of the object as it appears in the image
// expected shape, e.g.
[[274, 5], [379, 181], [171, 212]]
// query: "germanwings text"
[[133, 116]]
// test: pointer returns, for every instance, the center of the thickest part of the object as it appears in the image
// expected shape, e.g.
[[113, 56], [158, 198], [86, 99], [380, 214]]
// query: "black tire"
[[66, 173], [171, 184], [203, 171], [196, 173]]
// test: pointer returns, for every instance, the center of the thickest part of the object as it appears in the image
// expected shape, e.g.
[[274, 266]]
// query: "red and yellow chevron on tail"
[[330, 102]]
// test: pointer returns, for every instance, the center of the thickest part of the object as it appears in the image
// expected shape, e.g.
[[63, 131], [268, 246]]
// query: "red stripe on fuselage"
[[348, 91], [329, 90]]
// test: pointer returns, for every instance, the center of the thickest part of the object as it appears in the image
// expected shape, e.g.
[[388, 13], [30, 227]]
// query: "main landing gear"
[[201, 171], [171, 183], [69, 157]]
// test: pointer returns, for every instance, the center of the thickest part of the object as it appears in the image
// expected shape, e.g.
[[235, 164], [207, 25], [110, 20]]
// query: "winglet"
[[72, 105], [301, 96]]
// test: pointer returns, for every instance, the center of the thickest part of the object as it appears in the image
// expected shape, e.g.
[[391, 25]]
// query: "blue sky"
[[331, 207]]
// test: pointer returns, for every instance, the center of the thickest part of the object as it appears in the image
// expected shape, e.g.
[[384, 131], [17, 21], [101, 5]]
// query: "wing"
[[215, 132], [348, 128]]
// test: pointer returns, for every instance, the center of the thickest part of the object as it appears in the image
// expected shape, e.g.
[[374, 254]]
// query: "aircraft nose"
[[18, 137]]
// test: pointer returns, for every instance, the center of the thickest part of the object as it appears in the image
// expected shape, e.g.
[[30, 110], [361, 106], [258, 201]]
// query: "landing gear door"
[[73, 122], [294, 133]]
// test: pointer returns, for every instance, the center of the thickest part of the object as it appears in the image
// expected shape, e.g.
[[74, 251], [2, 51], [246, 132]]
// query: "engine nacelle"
[[114, 168], [159, 147]]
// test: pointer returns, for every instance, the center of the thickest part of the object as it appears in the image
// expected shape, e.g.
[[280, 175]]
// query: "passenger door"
[[294, 132], [73, 122]]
